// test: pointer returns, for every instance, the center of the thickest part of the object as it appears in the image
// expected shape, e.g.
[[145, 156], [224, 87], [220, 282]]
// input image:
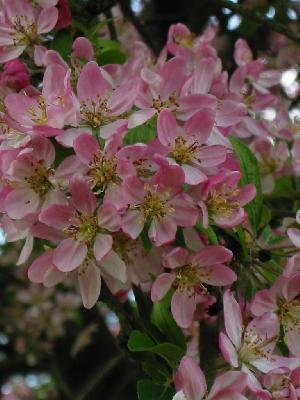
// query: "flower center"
[[268, 166], [184, 152], [254, 347], [223, 203], [102, 171], [94, 114], [39, 115], [125, 247], [159, 104], [25, 33], [188, 277], [154, 205], [39, 181], [289, 314], [83, 227]]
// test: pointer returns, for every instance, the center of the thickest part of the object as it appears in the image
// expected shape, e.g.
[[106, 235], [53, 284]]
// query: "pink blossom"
[[21, 27], [187, 147], [191, 384], [282, 299], [251, 347], [158, 203], [223, 200], [189, 272]]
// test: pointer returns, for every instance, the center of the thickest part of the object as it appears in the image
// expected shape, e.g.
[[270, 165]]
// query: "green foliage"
[[250, 174], [148, 390], [209, 232], [62, 43], [141, 134], [162, 318]]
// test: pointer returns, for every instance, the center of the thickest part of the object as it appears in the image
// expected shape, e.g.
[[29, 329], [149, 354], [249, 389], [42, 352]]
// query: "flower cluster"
[[127, 174]]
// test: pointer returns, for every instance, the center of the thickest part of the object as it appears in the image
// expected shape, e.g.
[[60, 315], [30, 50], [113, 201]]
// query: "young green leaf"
[[250, 174]]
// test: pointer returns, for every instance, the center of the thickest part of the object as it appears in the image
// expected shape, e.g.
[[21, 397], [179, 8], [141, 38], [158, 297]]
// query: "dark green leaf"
[[111, 56], [62, 43], [250, 174], [162, 318], [156, 371], [139, 341], [148, 390]]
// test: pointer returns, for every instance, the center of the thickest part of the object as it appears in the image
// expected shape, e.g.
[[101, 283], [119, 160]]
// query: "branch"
[[98, 376], [131, 17], [262, 19]]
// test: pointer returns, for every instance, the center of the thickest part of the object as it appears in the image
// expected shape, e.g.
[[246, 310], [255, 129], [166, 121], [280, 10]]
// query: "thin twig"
[[262, 19], [98, 376]]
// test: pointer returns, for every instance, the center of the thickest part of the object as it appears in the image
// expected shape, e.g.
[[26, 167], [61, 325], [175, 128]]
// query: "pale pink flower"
[[158, 203], [282, 299], [187, 147], [191, 384], [31, 180], [251, 347], [21, 27], [189, 272], [87, 231], [101, 107], [45, 113], [273, 160], [223, 200], [280, 383]]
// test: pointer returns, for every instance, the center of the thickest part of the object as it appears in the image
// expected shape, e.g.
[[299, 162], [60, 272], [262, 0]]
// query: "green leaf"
[[156, 371], [162, 318], [209, 232], [250, 174], [140, 134], [169, 352], [269, 237], [62, 43], [148, 390], [139, 341], [111, 56]]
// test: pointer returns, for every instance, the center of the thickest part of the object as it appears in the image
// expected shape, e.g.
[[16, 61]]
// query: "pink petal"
[[90, 285], [40, 266], [21, 202], [82, 197], [102, 245], [109, 218], [53, 276], [183, 307], [140, 117], [228, 351], [69, 255], [114, 266], [185, 213], [161, 286], [262, 302], [166, 128], [47, 19], [211, 156], [162, 231], [175, 258], [294, 235], [57, 216], [200, 124], [86, 146], [193, 175], [213, 255], [190, 379], [232, 318], [26, 250], [292, 289], [218, 275], [132, 223], [91, 84]]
